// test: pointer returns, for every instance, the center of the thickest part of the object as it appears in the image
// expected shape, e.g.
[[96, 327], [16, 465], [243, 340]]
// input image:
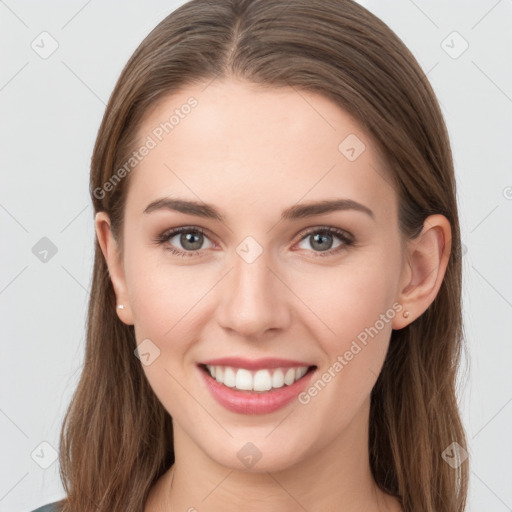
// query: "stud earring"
[[120, 306], [406, 314]]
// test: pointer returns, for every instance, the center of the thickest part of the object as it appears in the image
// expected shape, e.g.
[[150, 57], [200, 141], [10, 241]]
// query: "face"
[[258, 278]]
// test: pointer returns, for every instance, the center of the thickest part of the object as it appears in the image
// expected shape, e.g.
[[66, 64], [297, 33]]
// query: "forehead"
[[237, 144]]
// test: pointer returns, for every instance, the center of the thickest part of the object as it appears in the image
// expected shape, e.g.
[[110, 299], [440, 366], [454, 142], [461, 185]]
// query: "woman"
[[275, 317]]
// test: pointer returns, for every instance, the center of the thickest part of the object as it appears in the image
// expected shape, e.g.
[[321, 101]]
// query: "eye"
[[189, 238], [321, 240]]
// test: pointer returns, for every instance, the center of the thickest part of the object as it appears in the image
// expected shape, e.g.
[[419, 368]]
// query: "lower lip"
[[251, 402]]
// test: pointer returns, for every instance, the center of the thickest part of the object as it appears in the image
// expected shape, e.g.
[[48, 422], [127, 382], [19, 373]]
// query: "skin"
[[252, 153]]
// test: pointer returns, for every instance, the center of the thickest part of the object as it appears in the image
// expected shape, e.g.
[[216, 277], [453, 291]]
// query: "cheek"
[[153, 314], [347, 299], [161, 294], [169, 308], [354, 336], [353, 306], [162, 300]]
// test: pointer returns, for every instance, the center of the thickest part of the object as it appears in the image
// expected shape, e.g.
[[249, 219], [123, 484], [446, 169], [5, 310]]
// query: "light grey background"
[[50, 111]]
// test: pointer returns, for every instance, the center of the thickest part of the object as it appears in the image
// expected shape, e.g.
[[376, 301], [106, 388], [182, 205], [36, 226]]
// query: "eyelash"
[[344, 237]]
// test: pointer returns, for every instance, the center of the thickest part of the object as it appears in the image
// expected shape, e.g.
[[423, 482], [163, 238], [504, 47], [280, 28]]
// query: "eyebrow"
[[298, 211]]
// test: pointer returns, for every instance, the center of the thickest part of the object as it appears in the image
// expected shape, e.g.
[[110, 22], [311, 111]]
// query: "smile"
[[255, 391], [260, 380]]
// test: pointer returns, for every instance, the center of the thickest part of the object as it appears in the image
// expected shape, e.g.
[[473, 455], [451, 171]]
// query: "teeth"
[[229, 377], [243, 380], [261, 380], [278, 379], [289, 377]]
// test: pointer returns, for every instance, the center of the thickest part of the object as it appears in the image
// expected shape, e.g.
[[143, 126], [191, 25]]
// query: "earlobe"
[[112, 255], [426, 259]]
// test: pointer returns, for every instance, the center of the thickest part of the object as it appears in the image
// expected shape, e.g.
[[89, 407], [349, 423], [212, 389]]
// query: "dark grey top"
[[50, 507]]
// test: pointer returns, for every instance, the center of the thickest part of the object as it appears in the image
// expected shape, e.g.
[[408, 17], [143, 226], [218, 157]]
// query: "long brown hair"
[[116, 440]]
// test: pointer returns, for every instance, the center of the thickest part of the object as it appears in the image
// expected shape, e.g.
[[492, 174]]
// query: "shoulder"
[[50, 507]]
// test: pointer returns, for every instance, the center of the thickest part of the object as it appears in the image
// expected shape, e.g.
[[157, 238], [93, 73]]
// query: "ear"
[[424, 268], [113, 258]]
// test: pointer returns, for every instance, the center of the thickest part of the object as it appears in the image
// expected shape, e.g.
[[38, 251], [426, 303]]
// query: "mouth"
[[263, 380]]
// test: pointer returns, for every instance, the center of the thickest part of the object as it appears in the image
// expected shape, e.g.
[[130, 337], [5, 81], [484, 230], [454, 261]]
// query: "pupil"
[[319, 238], [187, 238]]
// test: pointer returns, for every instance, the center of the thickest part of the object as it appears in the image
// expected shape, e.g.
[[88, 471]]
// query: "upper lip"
[[254, 364]]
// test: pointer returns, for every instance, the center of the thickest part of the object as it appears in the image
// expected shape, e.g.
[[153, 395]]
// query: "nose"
[[254, 299]]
